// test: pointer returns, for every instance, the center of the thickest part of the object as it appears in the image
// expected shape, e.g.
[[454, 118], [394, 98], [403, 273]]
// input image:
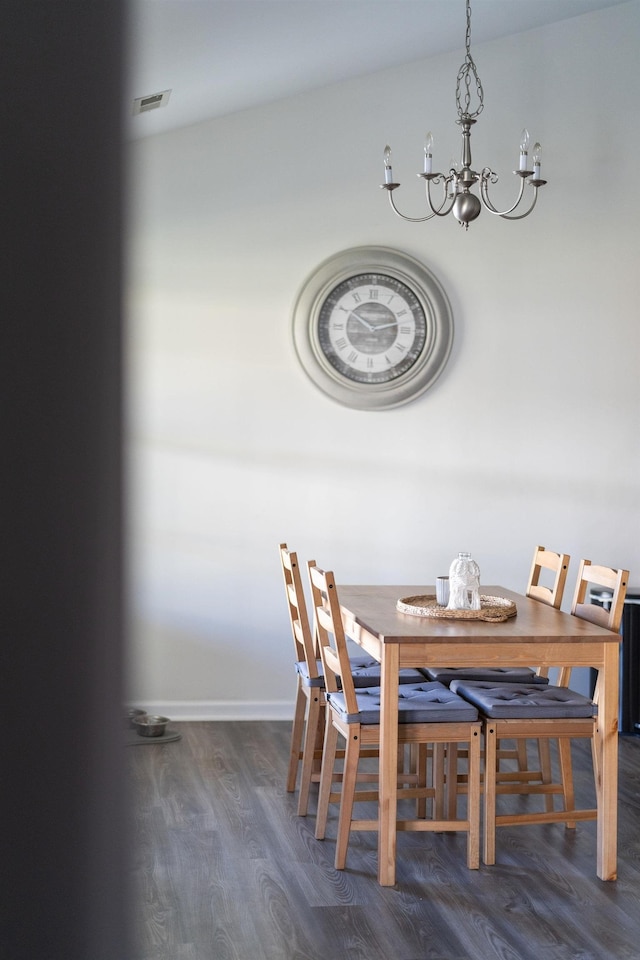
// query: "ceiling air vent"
[[152, 102]]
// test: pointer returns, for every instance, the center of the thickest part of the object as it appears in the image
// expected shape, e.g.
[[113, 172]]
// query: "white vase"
[[464, 584]]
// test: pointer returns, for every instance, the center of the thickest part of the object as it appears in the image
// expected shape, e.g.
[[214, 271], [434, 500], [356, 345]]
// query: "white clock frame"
[[438, 335]]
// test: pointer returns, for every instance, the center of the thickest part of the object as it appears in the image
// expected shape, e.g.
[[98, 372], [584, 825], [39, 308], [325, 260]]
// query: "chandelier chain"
[[466, 72]]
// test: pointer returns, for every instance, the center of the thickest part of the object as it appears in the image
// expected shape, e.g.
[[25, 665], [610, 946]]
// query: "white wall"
[[530, 435]]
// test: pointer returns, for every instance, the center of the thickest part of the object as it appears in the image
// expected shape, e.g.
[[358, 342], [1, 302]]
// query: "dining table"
[[537, 635]]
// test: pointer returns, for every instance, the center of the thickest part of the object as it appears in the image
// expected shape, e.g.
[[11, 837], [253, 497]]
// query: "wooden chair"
[[545, 564], [429, 713], [610, 615], [518, 711], [557, 565], [307, 731], [308, 719], [588, 575]]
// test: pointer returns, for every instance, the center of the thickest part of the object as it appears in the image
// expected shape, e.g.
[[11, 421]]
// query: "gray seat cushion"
[[495, 674], [368, 673], [426, 702], [364, 669], [524, 701], [303, 670]]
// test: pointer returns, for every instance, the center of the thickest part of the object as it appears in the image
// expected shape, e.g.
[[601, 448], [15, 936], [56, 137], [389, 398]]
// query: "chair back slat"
[[608, 578], [593, 613]]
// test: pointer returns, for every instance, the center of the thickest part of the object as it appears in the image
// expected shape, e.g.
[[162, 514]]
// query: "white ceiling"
[[221, 56]]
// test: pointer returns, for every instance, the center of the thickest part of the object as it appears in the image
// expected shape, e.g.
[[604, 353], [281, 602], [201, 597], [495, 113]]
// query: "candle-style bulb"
[[537, 152], [524, 146], [428, 154], [388, 174]]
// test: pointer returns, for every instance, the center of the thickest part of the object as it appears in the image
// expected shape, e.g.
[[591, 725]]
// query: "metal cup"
[[442, 591]]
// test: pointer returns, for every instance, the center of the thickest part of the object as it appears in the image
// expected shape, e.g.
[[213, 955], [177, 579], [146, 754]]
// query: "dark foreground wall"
[[62, 805]]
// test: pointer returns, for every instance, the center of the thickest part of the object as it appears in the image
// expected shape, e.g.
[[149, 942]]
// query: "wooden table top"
[[373, 607]]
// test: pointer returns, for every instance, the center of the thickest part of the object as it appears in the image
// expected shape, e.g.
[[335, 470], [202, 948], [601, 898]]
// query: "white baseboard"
[[217, 709]]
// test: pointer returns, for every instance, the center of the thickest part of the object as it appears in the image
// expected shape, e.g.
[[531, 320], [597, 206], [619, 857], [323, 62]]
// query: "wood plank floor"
[[224, 870]]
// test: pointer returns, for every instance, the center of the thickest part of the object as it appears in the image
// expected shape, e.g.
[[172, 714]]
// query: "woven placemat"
[[491, 608]]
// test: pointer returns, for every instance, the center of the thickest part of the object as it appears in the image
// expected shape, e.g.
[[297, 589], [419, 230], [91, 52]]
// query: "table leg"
[[606, 757], [388, 782]]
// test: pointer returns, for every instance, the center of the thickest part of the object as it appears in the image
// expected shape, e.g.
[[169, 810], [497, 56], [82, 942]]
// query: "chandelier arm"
[[440, 211], [484, 193], [521, 216], [404, 217]]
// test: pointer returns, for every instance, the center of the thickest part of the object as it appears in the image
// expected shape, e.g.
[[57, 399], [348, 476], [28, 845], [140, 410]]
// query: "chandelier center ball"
[[467, 207]]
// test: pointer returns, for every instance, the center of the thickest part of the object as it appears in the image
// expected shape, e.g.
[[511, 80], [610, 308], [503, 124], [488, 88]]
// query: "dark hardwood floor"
[[225, 870]]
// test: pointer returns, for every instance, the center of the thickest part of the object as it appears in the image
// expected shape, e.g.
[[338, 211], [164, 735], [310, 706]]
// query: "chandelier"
[[455, 187]]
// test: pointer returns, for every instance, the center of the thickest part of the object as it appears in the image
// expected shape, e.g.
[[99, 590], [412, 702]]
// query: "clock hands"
[[383, 326], [365, 323], [372, 328]]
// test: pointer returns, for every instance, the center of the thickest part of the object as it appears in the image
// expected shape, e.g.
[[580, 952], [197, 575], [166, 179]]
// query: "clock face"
[[372, 328]]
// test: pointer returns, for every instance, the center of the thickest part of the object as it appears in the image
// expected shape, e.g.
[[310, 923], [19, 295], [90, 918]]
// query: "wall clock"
[[372, 327]]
